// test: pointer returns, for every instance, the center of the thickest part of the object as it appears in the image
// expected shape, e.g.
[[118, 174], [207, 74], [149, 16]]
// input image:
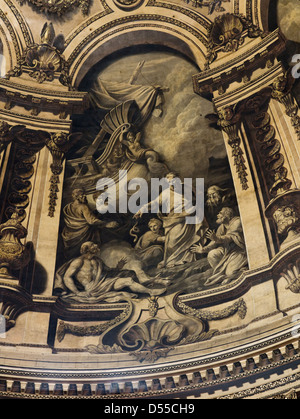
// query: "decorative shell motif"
[[154, 333], [292, 275], [227, 34], [44, 61], [226, 31]]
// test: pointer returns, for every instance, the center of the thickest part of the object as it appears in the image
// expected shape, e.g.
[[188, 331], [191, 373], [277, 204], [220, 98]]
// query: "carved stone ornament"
[[228, 119], [7, 133], [227, 34], [13, 254], [284, 210], [58, 144], [212, 5], [291, 395], [282, 92], [44, 61], [169, 323], [59, 7], [127, 4], [292, 276], [274, 161]]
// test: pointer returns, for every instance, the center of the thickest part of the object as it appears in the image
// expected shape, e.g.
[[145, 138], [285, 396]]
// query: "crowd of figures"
[[169, 256]]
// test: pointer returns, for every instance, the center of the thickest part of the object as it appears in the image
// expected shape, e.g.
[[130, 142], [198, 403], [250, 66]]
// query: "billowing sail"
[[108, 95]]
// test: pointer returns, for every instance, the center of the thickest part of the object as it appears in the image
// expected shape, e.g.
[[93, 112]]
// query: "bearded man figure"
[[226, 253], [81, 225], [218, 198], [86, 279]]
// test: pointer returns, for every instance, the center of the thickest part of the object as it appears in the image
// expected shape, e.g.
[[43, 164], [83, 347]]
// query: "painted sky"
[[289, 18], [182, 136]]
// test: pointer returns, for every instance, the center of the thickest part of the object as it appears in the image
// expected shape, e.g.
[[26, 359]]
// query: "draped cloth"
[[179, 236], [148, 249], [107, 95], [80, 226], [228, 258], [100, 289]]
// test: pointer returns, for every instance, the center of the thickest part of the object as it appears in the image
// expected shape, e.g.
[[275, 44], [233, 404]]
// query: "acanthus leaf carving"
[[274, 161]]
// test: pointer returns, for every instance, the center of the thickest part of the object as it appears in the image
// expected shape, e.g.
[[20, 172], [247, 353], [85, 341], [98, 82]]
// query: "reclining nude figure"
[[86, 279]]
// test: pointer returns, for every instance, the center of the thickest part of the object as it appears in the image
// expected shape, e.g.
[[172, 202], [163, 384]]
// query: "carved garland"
[[238, 307], [58, 144]]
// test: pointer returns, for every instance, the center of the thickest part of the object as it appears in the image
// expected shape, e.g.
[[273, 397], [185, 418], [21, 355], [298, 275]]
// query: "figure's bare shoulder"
[[76, 264]]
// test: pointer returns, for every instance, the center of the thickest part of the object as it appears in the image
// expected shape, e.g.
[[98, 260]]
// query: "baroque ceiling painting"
[[149, 199]]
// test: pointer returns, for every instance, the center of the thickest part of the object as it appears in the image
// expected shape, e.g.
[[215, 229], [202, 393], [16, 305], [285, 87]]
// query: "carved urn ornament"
[[13, 254]]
